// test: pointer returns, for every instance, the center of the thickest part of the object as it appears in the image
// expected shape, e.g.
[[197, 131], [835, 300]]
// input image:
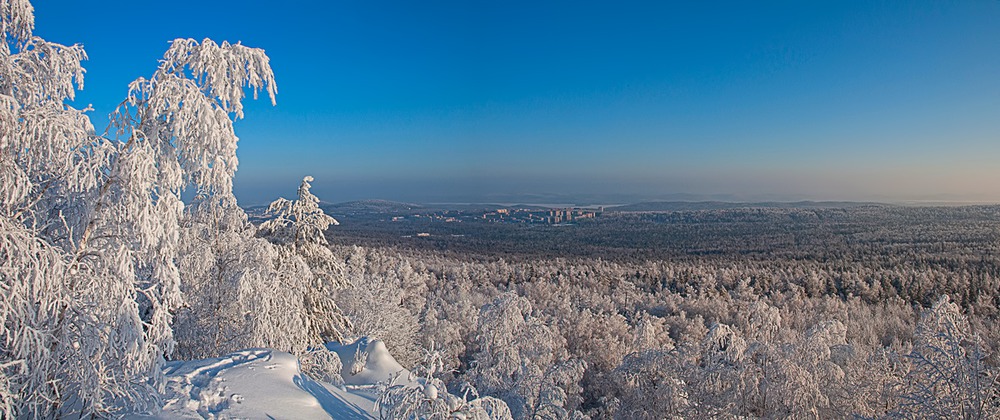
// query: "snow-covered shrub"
[[6, 395], [716, 383], [424, 396], [515, 356], [430, 400], [559, 393], [449, 320], [803, 374], [371, 303], [374, 302], [948, 377], [255, 299], [874, 381], [232, 299], [322, 364], [649, 385]]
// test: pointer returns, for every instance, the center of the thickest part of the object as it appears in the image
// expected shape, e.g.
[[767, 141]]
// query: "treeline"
[[841, 234]]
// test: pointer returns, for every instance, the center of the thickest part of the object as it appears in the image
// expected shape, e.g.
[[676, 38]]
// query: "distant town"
[[508, 215]]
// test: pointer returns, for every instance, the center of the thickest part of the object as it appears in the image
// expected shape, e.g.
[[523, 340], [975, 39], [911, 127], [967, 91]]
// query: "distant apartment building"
[[553, 216], [568, 215]]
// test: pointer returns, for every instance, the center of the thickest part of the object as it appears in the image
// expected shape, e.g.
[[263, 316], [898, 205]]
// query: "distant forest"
[[867, 311]]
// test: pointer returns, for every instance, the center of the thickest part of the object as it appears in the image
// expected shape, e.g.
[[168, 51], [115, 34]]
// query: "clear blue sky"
[[427, 100]]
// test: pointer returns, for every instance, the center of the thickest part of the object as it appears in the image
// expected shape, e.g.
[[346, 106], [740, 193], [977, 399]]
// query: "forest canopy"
[[126, 251]]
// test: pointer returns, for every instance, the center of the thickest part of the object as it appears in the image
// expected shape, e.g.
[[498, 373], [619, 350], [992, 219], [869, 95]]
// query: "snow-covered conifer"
[[300, 221], [301, 225]]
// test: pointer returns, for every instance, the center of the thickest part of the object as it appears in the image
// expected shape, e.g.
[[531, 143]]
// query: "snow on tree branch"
[[298, 222], [17, 20]]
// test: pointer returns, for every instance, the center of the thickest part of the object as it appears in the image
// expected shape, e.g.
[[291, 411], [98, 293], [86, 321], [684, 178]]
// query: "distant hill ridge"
[[723, 205], [368, 206], [395, 207]]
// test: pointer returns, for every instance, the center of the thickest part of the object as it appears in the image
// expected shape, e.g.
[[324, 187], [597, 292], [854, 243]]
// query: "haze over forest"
[[456, 101]]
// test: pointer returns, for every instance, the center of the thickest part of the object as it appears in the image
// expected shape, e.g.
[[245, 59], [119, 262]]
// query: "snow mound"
[[254, 384], [367, 362], [269, 384]]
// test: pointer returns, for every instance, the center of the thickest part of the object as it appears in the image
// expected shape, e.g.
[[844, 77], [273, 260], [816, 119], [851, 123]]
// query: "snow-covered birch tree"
[[186, 108], [90, 226], [71, 335]]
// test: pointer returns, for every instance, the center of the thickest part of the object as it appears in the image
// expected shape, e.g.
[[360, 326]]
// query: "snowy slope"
[[268, 384], [367, 362]]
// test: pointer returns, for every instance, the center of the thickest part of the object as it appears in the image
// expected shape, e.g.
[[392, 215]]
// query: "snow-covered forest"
[[119, 291]]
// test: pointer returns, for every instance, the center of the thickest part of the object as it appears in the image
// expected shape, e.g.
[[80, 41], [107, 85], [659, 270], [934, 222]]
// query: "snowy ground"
[[268, 384]]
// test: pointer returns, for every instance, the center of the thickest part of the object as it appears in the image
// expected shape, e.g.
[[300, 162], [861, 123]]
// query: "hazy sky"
[[445, 101]]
